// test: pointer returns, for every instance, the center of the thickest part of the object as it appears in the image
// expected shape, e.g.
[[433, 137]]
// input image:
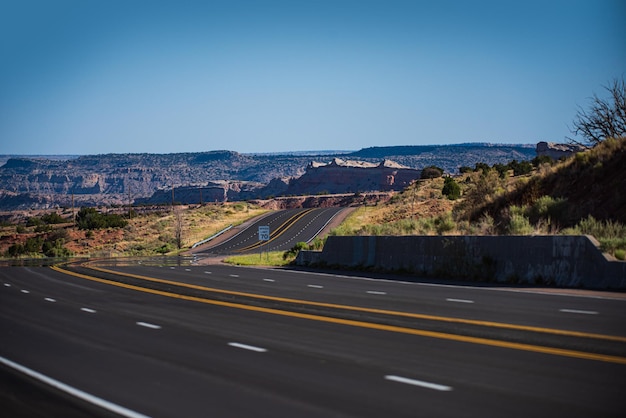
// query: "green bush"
[[90, 218], [520, 168], [431, 172], [52, 218], [444, 223], [548, 208], [293, 252], [451, 188], [518, 222]]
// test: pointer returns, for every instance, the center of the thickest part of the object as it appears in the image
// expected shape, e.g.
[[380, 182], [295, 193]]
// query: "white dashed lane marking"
[[148, 325], [577, 311], [459, 300], [248, 347], [50, 300], [88, 310], [420, 383]]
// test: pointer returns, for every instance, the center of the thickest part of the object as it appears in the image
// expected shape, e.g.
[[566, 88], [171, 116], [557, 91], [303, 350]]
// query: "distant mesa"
[[43, 182], [351, 176], [556, 151]]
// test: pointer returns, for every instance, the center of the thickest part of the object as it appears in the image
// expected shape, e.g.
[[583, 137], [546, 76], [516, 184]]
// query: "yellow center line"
[[374, 310], [361, 324], [278, 232]]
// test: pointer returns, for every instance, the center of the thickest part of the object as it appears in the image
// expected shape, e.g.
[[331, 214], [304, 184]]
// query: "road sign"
[[264, 233]]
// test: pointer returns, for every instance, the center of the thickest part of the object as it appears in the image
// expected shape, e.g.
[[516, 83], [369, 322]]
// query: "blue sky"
[[93, 77]]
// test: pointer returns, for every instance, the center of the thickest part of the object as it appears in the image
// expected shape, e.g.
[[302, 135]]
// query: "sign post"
[[264, 235]]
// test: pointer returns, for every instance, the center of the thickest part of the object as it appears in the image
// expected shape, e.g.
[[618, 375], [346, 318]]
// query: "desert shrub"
[[90, 218], [52, 218], [518, 222], [164, 249], [34, 221], [451, 188], [20, 229], [444, 223], [548, 208], [486, 225], [483, 167], [502, 170], [520, 168], [620, 254], [55, 248], [601, 229], [431, 172], [293, 251], [317, 243], [465, 169], [541, 160]]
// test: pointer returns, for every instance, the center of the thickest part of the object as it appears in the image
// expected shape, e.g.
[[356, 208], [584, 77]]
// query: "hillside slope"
[[592, 183]]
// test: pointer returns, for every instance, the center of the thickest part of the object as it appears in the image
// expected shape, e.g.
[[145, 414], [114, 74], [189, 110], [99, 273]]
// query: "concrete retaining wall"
[[564, 261]]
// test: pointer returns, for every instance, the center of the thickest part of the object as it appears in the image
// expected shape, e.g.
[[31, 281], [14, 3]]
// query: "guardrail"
[[217, 234]]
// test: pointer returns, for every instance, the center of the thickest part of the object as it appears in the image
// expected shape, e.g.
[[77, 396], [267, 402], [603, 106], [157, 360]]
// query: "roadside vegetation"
[[580, 195], [103, 233]]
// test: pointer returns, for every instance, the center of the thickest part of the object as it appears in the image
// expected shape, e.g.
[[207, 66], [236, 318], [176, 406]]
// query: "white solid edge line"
[[110, 406], [454, 286], [148, 325], [420, 383], [578, 311], [459, 300], [248, 347]]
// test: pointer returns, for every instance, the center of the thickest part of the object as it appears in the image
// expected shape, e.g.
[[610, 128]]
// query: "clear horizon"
[[272, 76], [285, 152]]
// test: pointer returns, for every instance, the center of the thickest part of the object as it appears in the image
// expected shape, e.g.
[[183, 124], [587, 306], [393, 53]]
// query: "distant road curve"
[[287, 227]]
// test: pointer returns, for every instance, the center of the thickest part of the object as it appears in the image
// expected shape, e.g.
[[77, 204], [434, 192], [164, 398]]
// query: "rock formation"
[[349, 176], [556, 151]]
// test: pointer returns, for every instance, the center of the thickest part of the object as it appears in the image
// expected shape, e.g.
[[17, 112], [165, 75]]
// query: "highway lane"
[[169, 357], [523, 306], [287, 227]]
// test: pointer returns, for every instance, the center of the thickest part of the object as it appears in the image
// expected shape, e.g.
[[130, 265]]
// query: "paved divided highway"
[[287, 227], [176, 339]]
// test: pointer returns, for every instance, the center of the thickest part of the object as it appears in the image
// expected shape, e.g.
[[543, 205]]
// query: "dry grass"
[[148, 234]]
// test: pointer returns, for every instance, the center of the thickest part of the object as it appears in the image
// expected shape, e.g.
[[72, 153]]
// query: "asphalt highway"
[[177, 339], [287, 228]]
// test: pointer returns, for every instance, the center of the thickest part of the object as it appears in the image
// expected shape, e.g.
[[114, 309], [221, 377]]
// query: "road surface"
[[287, 228], [174, 340]]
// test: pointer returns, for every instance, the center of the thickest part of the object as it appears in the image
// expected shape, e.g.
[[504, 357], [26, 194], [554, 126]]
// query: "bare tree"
[[606, 117]]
